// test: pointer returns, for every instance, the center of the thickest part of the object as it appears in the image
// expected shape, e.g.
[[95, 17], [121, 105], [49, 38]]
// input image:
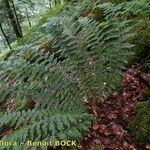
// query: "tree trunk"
[[28, 16], [12, 19], [55, 2], [1, 28], [50, 4], [17, 20]]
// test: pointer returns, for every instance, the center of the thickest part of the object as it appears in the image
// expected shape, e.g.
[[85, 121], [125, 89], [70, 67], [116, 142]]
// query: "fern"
[[48, 96], [99, 70], [43, 125]]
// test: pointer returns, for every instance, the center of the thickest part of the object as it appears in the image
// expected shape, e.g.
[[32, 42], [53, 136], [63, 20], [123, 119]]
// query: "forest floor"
[[113, 115]]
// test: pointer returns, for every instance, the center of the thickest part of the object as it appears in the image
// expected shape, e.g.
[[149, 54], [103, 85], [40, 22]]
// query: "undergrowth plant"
[[47, 97], [139, 125]]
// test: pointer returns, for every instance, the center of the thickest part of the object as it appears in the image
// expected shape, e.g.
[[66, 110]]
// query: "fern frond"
[[42, 125], [48, 95], [98, 71]]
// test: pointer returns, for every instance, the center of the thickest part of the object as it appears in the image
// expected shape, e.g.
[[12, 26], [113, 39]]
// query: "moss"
[[4, 54], [55, 11], [140, 125], [7, 52], [145, 95], [146, 67], [141, 41], [97, 14]]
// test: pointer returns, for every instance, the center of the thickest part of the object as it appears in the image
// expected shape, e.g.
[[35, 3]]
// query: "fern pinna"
[[48, 96]]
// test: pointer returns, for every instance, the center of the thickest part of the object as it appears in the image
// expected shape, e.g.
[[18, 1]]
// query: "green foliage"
[[4, 54], [48, 96], [34, 35], [79, 8], [141, 9], [97, 14], [141, 40], [112, 1], [46, 125], [135, 10], [145, 95], [72, 39], [55, 11], [31, 35], [139, 126], [139, 12], [146, 66], [2, 13]]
